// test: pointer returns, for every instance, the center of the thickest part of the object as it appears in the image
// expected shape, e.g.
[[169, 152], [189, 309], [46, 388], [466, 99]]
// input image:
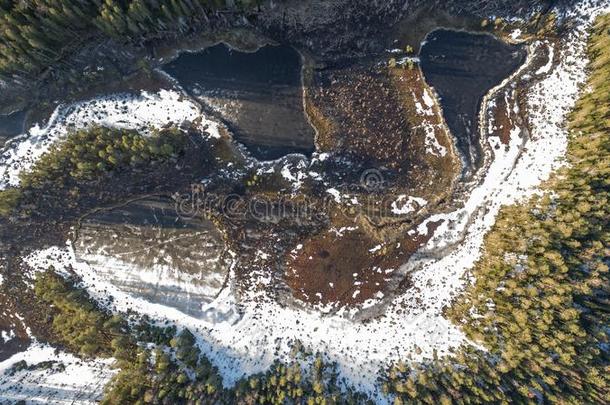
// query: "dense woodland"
[[39, 34], [94, 154], [88, 154]]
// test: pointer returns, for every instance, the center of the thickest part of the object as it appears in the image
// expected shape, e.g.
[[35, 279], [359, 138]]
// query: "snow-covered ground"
[[142, 112], [67, 380], [247, 338], [548, 103]]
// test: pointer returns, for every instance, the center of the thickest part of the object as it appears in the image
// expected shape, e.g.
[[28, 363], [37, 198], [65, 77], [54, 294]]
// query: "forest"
[[38, 35], [92, 155]]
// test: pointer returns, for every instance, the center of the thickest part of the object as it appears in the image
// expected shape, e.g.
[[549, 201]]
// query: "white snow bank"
[[246, 344], [546, 68], [406, 204]]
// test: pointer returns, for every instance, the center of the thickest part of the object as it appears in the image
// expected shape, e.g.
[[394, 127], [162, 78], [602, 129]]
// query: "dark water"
[[463, 67], [11, 125], [257, 94]]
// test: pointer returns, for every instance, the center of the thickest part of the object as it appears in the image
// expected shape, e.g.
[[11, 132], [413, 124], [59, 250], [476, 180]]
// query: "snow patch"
[[70, 380], [375, 249], [6, 336], [406, 204], [295, 174], [336, 194], [516, 34]]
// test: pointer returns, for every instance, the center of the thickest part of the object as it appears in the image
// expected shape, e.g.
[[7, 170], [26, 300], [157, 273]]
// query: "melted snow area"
[[53, 377], [247, 336]]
